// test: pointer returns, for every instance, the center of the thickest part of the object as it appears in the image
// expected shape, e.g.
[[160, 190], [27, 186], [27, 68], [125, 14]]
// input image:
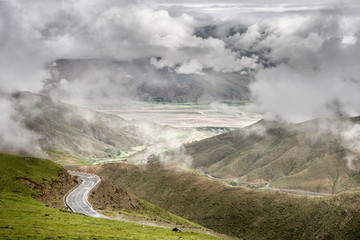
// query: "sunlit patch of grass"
[[36, 170], [24, 217]]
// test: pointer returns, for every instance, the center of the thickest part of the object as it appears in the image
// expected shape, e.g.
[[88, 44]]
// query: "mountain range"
[[142, 81]]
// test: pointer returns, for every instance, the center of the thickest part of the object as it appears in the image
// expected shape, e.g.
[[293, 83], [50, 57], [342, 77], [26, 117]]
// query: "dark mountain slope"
[[73, 130]]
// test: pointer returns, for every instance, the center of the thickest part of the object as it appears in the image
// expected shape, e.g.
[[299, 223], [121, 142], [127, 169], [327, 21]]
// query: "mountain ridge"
[[308, 156]]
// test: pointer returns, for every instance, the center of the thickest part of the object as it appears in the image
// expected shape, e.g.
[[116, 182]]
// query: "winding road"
[[77, 201]]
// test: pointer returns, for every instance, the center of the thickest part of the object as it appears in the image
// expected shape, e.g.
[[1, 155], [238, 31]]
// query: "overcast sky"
[[252, 1], [304, 54]]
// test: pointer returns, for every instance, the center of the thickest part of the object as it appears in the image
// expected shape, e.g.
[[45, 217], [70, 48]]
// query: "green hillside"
[[305, 156], [36, 170], [237, 211], [23, 217]]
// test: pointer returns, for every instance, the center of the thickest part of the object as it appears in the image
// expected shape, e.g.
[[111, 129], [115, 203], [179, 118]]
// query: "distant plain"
[[185, 115]]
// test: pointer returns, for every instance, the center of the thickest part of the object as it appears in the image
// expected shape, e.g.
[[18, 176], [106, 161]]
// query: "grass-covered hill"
[[24, 217], [237, 211], [310, 156]]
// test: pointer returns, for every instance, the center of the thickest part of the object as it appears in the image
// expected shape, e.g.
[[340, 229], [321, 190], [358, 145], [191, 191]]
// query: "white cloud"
[[313, 50], [14, 137], [190, 67], [35, 33], [316, 66]]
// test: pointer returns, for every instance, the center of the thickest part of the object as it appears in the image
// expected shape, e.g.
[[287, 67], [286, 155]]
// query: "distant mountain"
[[73, 130], [140, 80], [311, 156]]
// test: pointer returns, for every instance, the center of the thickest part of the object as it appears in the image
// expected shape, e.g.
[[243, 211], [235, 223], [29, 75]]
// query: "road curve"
[[77, 200]]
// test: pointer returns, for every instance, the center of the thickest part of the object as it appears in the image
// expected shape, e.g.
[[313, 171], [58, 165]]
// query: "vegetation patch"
[[22, 217], [65, 159], [13, 168], [115, 156]]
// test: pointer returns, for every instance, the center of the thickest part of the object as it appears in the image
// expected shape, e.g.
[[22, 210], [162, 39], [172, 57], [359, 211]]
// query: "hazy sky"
[[251, 1], [304, 54]]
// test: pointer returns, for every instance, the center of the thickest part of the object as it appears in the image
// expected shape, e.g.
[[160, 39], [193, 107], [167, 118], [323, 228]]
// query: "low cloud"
[[351, 141], [313, 72], [15, 138], [302, 58], [34, 34]]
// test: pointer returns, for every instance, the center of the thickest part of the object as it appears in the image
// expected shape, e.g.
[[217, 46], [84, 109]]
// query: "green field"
[[23, 217]]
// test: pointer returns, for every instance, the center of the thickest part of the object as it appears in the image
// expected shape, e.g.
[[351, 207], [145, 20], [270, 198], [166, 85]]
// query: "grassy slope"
[[116, 202], [238, 211], [298, 156], [26, 218], [21, 216], [34, 169]]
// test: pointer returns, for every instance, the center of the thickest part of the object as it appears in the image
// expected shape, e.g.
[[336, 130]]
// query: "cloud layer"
[[315, 72], [303, 57]]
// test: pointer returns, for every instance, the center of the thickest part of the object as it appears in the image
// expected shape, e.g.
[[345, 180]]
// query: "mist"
[[311, 49], [295, 62], [15, 138]]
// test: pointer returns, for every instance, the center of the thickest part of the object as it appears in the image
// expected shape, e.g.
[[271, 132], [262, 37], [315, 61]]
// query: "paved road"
[[77, 199]]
